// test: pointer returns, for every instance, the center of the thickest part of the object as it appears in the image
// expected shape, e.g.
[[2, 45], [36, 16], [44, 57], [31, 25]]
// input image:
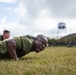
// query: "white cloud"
[[3, 20], [21, 10], [71, 25], [36, 18], [44, 13], [8, 1], [2, 24], [44, 22], [15, 28]]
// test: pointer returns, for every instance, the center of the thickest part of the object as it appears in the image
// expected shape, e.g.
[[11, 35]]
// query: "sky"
[[33, 17]]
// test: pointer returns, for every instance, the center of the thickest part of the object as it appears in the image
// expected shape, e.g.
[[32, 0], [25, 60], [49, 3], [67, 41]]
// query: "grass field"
[[51, 61]]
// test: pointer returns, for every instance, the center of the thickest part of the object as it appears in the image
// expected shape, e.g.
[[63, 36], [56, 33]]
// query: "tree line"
[[68, 40]]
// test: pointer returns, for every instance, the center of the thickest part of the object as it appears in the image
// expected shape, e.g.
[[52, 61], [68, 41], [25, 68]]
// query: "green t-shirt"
[[23, 43], [1, 37], [3, 47]]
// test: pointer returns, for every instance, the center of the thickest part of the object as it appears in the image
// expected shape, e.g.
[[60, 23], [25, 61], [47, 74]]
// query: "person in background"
[[6, 35]]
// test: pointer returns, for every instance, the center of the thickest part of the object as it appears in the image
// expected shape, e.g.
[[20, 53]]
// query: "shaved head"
[[40, 43], [41, 38]]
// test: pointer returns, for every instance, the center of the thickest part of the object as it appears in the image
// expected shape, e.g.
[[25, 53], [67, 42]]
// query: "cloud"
[[62, 8], [15, 28], [21, 10], [44, 22], [3, 20], [58, 8], [8, 1], [42, 17], [33, 7]]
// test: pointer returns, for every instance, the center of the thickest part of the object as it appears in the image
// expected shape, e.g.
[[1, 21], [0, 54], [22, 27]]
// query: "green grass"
[[51, 61]]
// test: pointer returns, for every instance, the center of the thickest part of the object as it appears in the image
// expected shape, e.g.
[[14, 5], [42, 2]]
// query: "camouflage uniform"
[[23, 43], [1, 37]]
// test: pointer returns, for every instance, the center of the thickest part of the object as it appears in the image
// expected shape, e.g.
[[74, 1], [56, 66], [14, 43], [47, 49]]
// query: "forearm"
[[13, 54], [11, 48]]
